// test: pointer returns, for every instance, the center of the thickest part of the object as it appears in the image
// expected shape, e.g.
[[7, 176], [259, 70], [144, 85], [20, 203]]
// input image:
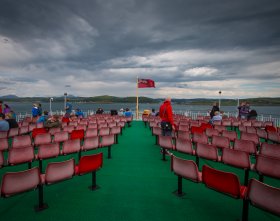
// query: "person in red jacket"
[[166, 115]]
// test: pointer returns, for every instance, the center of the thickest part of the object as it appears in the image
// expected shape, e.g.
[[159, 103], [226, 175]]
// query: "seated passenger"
[[4, 125], [79, 113], [53, 121], [128, 114], [217, 117], [43, 118], [12, 121]]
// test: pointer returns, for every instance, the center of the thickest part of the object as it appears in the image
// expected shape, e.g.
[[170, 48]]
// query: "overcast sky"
[[190, 48]]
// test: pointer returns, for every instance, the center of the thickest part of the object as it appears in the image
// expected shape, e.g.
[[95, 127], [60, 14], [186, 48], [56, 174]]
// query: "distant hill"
[[112, 99]]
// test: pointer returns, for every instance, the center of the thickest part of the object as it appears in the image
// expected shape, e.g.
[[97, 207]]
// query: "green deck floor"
[[134, 185]]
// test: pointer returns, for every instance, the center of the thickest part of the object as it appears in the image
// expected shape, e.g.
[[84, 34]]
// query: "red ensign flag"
[[142, 83]]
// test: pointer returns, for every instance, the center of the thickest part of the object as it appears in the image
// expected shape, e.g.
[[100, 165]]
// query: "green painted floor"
[[134, 185]]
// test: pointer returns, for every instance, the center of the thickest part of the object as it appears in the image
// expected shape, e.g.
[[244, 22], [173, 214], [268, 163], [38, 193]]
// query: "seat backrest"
[[91, 132], [220, 142], [207, 151], [37, 131], [264, 196], [273, 136], [271, 150], [268, 166], [199, 138], [18, 182], [60, 136], [89, 163], [42, 139], [245, 145], [185, 168], [21, 155], [231, 135], [250, 129], [249, 136], [48, 150], [197, 129], [184, 146], [262, 133], [23, 130], [13, 132], [224, 182], [71, 146], [59, 171], [220, 128], [1, 159], [184, 134], [4, 144], [156, 130], [107, 140], [77, 134], [91, 143], [21, 141], [3, 134], [115, 130], [54, 130], [165, 142], [104, 131], [211, 131], [236, 158], [69, 128], [270, 128]]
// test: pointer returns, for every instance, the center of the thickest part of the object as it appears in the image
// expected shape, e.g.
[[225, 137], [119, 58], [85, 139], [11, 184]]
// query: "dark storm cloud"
[[64, 42]]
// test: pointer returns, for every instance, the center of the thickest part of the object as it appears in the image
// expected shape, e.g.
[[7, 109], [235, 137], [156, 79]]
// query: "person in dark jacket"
[[214, 109]]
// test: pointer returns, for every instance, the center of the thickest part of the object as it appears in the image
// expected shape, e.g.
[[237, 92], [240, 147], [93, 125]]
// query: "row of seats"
[[26, 153], [267, 160], [14, 183], [257, 193], [31, 128]]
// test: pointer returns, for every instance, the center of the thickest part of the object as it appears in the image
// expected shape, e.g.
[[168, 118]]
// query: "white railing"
[[193, 115]]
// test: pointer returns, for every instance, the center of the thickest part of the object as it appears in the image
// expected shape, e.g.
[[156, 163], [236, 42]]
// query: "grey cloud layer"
[[100, 43]]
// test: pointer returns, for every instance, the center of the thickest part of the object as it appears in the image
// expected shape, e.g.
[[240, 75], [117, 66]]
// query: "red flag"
[[142, 83]]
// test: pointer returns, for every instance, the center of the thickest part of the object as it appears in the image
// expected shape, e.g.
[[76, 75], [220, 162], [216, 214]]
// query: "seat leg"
[[109, 152], [41, 206], [93, 181], [246, 177], [163, 154], [179, 191], [245, 210]]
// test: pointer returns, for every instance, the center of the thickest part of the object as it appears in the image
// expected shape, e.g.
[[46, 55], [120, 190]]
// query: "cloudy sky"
[[190, 48]]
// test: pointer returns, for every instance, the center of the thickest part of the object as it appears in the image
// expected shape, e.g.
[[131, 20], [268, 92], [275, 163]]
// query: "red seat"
[[21, 155], [262, 133], [71, 146], [42, 139], [231, 135], [46, 151], [54, 130], [21, 141], [13, 132], [1, 159], [17, 182], [271, 150], [207, 151], [262, 196], [104, 131], [58, 171], [267, 166], [197, 129], [220, 142], [239, 159], [273, 136], [245, 145], [90, 143], [211, 131], [116, 130], [184, 134], [184, 146], [60, 136], [270, 128], [223, 182], [90, 164], [249, 136], [3, 134], [199, 138], [37, 131], [23, 130], [77, 134], [186, 169], [4, 144], [107, 141]]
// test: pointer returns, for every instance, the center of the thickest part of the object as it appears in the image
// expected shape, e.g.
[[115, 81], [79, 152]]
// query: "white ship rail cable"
[[191, 114]]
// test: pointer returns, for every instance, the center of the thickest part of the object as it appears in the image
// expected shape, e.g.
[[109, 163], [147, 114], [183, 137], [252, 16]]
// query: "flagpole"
[[137, 111]]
